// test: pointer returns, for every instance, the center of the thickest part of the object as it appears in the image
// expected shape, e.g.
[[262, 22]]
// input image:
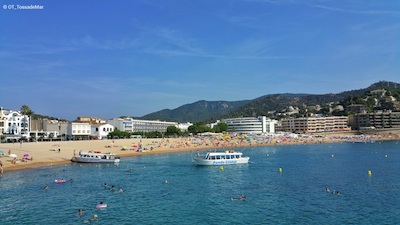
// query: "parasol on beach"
[[13, 156]]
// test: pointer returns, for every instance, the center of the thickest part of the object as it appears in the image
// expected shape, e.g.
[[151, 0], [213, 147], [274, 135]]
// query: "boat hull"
[[206, 162], [93, 160]]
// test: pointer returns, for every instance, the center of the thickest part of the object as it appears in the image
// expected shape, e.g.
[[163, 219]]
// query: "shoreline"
[[47, 154]]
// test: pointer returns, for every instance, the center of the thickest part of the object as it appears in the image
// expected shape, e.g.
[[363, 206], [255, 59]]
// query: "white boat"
[[95, 157], [221, 158]]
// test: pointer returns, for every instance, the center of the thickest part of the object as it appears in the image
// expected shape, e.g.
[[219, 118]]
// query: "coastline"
[[45, 154]]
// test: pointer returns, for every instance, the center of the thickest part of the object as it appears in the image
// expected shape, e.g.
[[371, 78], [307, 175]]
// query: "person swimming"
[[327, 190], [241, 198]]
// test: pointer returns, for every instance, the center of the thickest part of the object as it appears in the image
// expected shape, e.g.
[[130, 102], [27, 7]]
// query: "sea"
[[282, 185]]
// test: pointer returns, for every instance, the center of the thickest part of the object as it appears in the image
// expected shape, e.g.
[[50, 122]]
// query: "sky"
[[106, 58]]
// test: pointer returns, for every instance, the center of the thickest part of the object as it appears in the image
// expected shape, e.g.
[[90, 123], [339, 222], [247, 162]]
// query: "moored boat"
[[95, 157], [221, 158]]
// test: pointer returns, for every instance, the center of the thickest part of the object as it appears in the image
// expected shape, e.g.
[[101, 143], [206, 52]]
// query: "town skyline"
[[110, 61]]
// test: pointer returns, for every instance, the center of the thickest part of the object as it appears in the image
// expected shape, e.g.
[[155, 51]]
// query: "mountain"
[[210, 111], [195, 112]]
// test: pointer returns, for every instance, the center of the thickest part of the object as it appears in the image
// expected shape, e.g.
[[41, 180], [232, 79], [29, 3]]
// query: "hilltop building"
[[250, 125]]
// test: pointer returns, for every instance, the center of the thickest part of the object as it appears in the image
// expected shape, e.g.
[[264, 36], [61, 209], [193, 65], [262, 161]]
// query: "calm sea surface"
[[202, 195]]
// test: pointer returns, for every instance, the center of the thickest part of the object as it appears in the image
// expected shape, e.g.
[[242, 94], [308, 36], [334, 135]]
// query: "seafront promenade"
[[42, 154]]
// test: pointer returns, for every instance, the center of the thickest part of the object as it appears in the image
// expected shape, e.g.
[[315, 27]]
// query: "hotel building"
[[134, 125], [307, 125], [250, 125], [377, 120]]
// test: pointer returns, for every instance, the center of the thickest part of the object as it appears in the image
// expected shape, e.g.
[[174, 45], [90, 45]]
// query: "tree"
[[25, 110], [220, 127], [173, 130]]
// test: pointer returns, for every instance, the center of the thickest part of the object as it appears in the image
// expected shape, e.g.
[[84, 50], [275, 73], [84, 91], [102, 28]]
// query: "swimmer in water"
[[46, 188], [80, 212], [241, 198], [327, 190], [165, 182], [120, 190]]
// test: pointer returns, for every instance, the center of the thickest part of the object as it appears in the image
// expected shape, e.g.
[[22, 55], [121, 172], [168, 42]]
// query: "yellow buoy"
[[280, 170], [369, 173], [221, 168]]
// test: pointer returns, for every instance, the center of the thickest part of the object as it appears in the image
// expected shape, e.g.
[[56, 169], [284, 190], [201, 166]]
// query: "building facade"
[[377, 120], [13, 124], [101, 131], [307, 125], [250, 125], [79, 130]]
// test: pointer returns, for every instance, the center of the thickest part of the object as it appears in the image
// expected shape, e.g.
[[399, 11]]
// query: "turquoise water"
[[202, 195]]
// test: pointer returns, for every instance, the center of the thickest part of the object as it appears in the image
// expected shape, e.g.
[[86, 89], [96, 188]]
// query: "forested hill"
[[197, 111], [210, 111]]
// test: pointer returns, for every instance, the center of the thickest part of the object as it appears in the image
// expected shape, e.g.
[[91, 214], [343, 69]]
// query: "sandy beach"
[[42, 154]]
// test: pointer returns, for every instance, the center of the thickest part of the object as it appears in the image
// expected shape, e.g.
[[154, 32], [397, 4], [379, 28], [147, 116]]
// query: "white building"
[[135, 125], [250, 125], [101, 131], [13, 123], [184, 126], [79, 129]]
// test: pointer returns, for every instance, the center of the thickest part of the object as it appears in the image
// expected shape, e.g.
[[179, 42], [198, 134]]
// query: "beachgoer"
[[165, 182], [80, 212], [59, 150], [9, 152], [112, 187], [242, 197], [120, 190], [105, 184], [94, 217], [327, 190], [46, 188]]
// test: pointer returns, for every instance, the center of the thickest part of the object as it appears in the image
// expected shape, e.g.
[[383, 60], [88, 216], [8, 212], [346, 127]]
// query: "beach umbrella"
[[13, 155]]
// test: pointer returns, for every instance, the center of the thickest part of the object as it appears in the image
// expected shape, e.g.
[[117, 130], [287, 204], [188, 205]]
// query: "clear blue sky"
[[108, 58]]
